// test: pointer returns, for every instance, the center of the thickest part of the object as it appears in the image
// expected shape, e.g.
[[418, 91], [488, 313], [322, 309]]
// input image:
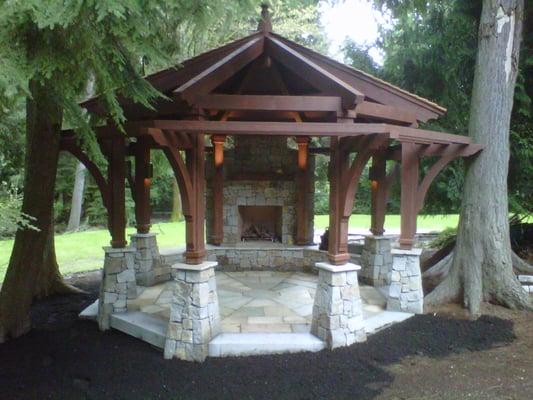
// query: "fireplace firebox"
[[260, 223]]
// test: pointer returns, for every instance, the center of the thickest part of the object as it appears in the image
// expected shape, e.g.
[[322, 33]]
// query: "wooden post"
[[142, 184], [116, 178], [302, 184], [378, 187], [338, 223], [218, 189], [409, 180], [195, 252]]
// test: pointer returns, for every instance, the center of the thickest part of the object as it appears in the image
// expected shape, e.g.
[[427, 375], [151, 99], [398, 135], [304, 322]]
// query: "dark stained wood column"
[[409, 180], [218, 189], [378, 187], [338, 223], [142, 184], [302, 185], [117, 184], [195, 219]]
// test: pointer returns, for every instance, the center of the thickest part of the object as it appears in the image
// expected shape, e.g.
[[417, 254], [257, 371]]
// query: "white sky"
[[356, 19]]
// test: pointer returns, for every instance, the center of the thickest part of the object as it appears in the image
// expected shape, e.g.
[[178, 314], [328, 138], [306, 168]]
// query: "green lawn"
[[82, 251]]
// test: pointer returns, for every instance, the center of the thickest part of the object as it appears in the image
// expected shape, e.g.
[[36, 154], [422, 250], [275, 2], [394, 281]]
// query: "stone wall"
[[260, 258]]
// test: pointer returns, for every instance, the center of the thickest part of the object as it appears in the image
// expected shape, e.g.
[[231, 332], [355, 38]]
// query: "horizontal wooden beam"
[[402, 134], [268, 103], [368, 109]]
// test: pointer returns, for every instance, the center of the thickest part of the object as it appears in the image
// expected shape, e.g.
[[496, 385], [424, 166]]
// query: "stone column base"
[[149, 268], [338, 310], [376, 260], [194, 313], [118, 283], [405, 290]]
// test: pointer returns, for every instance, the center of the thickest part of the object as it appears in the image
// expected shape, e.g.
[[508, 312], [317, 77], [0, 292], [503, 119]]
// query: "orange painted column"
[[302, 181]]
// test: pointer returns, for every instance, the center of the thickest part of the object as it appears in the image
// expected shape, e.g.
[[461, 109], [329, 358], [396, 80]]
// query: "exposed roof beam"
[[387, 113], [315, 75], [222, 70], [268, 103], [402, 134]]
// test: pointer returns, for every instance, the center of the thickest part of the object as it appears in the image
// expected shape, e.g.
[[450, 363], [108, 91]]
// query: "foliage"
[[10, 216]]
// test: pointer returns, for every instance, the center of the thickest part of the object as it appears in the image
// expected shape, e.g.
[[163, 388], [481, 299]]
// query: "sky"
[[356, 19]]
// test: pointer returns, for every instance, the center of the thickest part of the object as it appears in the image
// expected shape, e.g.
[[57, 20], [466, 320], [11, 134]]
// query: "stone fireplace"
[[260, 192]]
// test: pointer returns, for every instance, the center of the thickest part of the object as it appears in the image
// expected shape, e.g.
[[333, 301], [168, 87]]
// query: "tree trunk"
[[33, 271], [77, 198], [482, 266], [177, 214]]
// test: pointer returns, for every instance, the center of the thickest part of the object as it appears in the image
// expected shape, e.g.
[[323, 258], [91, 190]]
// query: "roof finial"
[[265, 25]]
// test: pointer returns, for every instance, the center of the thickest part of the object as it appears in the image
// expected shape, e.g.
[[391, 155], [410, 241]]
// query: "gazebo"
[[258, 90]]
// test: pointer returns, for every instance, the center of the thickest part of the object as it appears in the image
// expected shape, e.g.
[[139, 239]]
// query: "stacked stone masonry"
[[376, 260], [337, 309], [118, 283], [405, 290], [194, 312], [150, 269], [260, 171]]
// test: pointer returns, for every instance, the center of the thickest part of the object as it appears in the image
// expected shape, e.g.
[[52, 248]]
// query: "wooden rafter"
[[222, 70], [314, 74]]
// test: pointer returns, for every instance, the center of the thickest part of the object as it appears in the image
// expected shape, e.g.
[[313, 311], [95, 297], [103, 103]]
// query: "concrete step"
[[90, 313], [383, 320], [144, 326], [246, 344], [528, 279]]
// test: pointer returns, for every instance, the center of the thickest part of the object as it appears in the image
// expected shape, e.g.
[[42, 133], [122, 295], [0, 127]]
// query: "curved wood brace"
[[170, 144], [351, 179], [69, 146], [453, 152]]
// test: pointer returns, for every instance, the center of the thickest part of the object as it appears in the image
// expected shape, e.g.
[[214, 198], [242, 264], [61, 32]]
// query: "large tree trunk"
[[482, 266], [77, 198], [177, 213], [33, 271]]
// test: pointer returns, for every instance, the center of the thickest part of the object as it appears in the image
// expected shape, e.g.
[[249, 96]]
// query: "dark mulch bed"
[[65, 358]]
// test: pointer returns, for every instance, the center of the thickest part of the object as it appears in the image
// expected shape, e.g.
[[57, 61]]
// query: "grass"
[[82, 251]]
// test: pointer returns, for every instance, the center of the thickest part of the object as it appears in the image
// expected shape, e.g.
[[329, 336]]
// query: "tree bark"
[[482, 265], [77, 198], [177, 213], [33, 271]]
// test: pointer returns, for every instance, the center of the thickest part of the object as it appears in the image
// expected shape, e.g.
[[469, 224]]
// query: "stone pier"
[[337, 309], [376, 261], [118, 283], [194, 312], [405, 290], [149, 268]]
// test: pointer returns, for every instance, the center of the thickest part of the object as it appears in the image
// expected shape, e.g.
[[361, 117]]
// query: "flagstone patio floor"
[[258, 301]]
